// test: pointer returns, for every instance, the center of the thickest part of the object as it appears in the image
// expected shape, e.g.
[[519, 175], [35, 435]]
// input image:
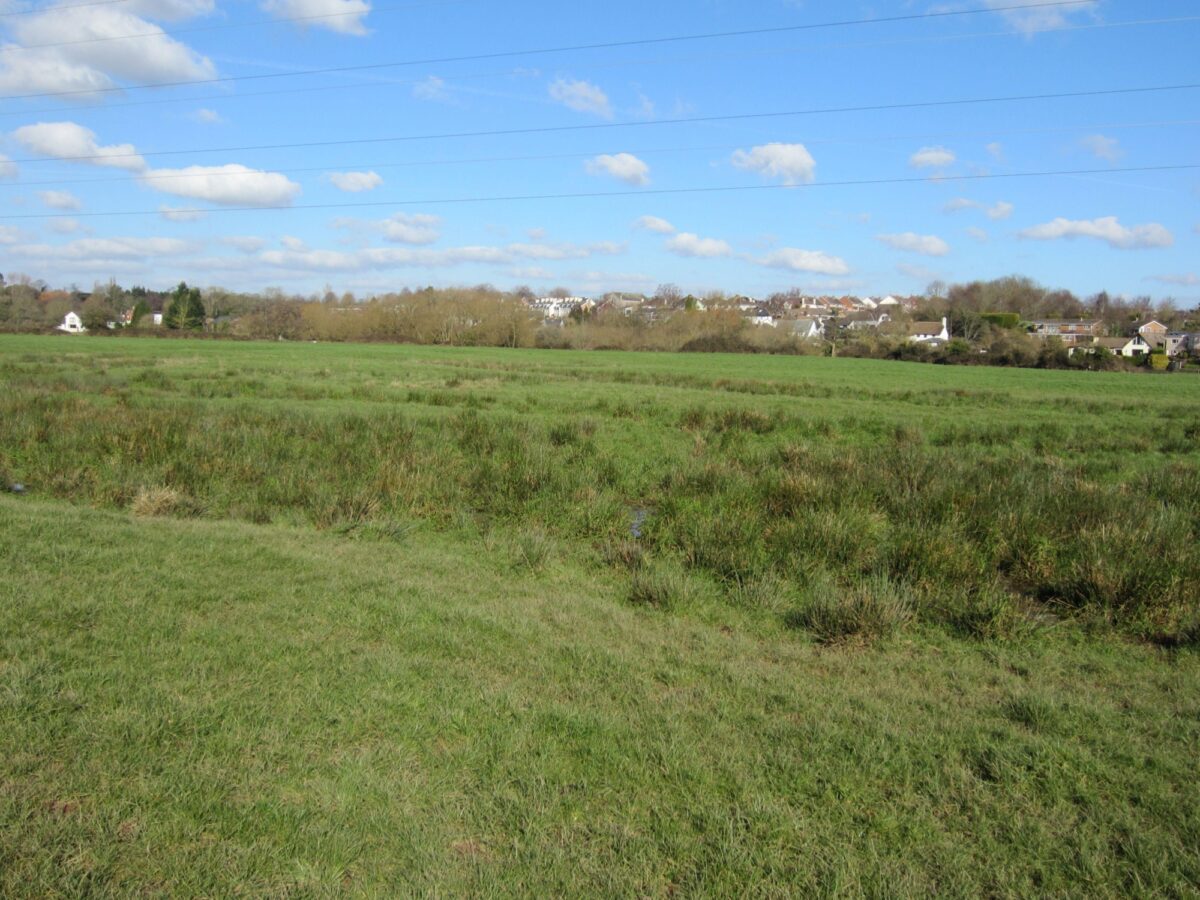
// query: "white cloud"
[[1105, 148], [432, 88], [623, 166], [70, 141], [401, 228], [978, 234], [108, 248], [293, 243], [932, 158], [170, 10], [80, 62], [341, 16], [228, 185], [687, 244], [925, 244], [207, 116], [1039, 15], [396, 257], [9, 234], [174, 214], [1107, 229], [581, 96], [1000, 210], [60, 199], [790, 162], [412, 228], [67, 226], [536, 234], [654, 224], [8, 168], [797, 260], [996, 151], [355, 182], [244, 243], [1189, 279], [960, 203]]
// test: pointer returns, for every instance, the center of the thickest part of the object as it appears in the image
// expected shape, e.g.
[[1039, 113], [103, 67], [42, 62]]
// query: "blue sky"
[[371, 215]]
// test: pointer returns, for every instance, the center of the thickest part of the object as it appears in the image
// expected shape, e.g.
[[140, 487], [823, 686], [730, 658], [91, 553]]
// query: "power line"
[[34, 12], [662, 60], [575, 48], [587, 195], [227, 25], [643, 151], [596, 126]]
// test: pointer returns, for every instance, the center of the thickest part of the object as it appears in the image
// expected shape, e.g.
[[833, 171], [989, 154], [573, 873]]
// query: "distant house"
[[1152, 329], [1172, 343], [1127, 347], [929, 332], [805, 329], [72, 324], [1069, 332]]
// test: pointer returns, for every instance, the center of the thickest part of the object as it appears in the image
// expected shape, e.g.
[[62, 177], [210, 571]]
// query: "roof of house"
[[925, 328]]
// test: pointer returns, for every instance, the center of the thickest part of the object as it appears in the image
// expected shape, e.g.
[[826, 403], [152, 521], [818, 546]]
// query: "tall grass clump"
[[867, 609]]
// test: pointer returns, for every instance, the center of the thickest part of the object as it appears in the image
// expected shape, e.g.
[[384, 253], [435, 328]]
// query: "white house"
[[805, 329], [72, 324], [929, 332]]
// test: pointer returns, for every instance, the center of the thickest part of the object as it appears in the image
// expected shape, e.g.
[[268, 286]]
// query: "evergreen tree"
[[186, 309]]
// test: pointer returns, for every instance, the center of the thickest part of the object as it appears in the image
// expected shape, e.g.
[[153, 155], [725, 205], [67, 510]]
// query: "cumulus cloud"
[[341, 16], [355, 182], [1107, 229], [70, 141], [8, 168], [60, 199], [687, 244], [175, 214], [412, 228], [207, 116], [581, 96], [80, 63], [228, 185], [925, 244], [1039, 15], [790, 162], [999, 210], [932, 158], [797, 260], [977, 234], [1105, 148], [654, 224], [623, 166]]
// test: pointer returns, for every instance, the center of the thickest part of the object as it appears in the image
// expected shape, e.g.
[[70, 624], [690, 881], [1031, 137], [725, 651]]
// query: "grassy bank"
[[192, 707]]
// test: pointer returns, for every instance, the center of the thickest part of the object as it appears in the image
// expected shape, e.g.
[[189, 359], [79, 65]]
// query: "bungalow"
[[929, 332], [72, 324]]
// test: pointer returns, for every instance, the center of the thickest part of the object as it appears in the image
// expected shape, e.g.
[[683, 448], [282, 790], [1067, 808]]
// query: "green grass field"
[[306, 620]]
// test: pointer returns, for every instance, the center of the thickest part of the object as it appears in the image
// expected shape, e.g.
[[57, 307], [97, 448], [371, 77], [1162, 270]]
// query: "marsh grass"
[[990, 501]]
